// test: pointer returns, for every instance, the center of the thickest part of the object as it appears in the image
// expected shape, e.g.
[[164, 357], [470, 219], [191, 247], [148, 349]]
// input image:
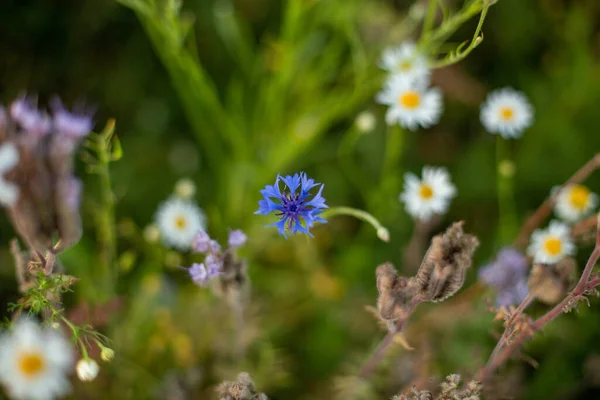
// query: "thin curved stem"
[[382, 232]]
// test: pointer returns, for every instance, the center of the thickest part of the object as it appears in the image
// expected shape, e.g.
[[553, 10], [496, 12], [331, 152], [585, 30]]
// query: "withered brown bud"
[[395, 293], [241, 389], [549, 283], [443, 269], [233, 283]]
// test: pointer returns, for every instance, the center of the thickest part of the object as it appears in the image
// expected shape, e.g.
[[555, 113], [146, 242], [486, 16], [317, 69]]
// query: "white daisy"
[[34, 362], [9, 157], [179, 221], [549, 246], [428, 196], [574, 202], [411, 105], [506, 112], [406, 61]]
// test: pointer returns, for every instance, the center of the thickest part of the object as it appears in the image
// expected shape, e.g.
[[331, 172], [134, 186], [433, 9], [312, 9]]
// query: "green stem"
[[382, 232], [393, 149], [505, 187], [429, 18], [106, 223]]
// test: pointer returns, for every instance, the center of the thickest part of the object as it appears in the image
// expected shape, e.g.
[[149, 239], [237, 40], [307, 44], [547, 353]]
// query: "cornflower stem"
[[544, 210], [429, 17], [583, 286], [505, 189], [382, 232]]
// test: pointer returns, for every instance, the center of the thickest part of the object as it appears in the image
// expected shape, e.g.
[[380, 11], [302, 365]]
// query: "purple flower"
[[297, 212], [201, 274], [508, 275], [72, 124], [201, 242], [33, 121], [237, 238]]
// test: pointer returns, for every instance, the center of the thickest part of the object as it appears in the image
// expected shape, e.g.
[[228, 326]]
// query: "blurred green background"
[[293, 86]]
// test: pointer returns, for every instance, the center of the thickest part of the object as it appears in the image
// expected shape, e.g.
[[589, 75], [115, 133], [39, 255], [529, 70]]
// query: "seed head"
[[442, 272], [395, 293]]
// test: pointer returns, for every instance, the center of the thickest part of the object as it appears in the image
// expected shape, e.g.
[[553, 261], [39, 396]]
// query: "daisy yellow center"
[[553, 246], [405, 66], [31, 364], [425, 192], [180, 222], [579, 197], [506, 113], [410, 99]]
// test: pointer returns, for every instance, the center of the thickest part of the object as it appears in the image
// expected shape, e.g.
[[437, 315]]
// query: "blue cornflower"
[[292, 205]]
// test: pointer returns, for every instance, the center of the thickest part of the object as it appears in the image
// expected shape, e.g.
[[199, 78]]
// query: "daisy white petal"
[[34, 362], [428, 196], [506, 112], [549, 246], [406, 61], [178, 221], [574, 202], [411, 105]]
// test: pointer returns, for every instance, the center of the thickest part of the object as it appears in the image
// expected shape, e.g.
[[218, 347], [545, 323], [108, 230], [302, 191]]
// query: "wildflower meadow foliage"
[[303, 199]]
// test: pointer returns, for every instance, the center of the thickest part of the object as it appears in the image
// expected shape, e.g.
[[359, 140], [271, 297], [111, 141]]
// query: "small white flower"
[[549, 246], [427, 196], [87, 369], [178, 221], [185, 188], [506, 112], [406, 61], [365, 121], [574, 202], [9, 157], [411, 105], [34, 362]]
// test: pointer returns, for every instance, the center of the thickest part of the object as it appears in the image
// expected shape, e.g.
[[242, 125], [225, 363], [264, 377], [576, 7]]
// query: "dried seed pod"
[[549, 283], [241, 389], [233, 283], [443, 269], [395, 293]]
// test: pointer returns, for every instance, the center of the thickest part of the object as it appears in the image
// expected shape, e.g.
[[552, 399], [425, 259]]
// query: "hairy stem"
[[583, 285]]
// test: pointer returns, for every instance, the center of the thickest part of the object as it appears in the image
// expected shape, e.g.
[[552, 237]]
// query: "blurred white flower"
[[9, 157], [428, 196], [411, 105], [87, 369], [365, 121], [549, 246], [506, 112], [185, 188], [406, 61], [34, 362], [151, 233], [179, 221], [574, 202]]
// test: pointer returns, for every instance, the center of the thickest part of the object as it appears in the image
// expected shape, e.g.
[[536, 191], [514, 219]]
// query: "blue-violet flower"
[[297, 212]]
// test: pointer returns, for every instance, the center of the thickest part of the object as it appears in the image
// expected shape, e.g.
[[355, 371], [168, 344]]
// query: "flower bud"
[[107, 354], [87, 369], [185, 188], [442, 272]]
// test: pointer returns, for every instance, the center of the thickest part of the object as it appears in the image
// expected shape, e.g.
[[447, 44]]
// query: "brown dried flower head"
[[395, 293], [549, 283], [46, 207], [240, 389], [443, 269]]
